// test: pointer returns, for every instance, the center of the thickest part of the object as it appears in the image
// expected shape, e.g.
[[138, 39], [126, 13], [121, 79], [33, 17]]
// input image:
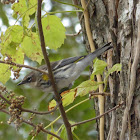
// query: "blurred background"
[[73, 46]]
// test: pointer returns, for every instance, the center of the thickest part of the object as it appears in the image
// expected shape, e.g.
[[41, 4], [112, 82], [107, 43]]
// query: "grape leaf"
[[87, 86], [99, 67], [15, 53], [54, 31], [14, 34], [18, 57], [69, 96], [25, 8], [116, 67], [31, 47], [5, 73]]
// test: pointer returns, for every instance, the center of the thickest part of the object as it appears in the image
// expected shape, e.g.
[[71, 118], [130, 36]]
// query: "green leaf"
[[99, 67], [19, 7], [11, 42], [116, 67], [18, 57], [5, 73], [54, 31], [14, 34], [69, 96], [63, 134], [15, 53], [50, 137], [87, 86], [31, 47], [25, 8]]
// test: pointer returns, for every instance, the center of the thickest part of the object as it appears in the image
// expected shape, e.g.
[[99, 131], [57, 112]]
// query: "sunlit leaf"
[[31, 47], [99, 67], [115, 68], [87, 86], [54, 31], [69, 96], [14, 34], [25, 8], [5, 73], [52, 104], [18, 57]]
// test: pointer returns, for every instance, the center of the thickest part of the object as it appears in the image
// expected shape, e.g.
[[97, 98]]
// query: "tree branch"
[[23, 66], [57, 96], [98, 117]]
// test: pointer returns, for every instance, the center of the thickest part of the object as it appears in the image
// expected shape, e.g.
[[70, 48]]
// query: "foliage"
[[19, 41], [87, 86]]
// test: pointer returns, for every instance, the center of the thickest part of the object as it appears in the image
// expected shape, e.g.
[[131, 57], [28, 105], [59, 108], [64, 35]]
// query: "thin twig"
[[98, 117], [57, 96], [71, 35], [39, 113], [30, 111], [97, 93], [23, 66], [44, 130]]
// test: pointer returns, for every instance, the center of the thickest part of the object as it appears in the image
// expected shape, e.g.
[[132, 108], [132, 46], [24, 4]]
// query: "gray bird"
[[65, 71]]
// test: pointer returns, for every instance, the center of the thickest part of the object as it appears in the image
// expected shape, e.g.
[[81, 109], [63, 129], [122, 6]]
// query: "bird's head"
[[29, 79]]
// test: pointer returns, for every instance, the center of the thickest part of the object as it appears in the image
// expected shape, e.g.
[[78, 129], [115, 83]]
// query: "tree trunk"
[[118, 21]]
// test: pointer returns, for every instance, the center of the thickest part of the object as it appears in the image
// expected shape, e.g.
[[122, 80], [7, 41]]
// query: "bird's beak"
[[21, 83]]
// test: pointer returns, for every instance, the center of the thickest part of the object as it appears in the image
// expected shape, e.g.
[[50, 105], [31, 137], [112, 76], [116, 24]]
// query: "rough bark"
[[117, 21]]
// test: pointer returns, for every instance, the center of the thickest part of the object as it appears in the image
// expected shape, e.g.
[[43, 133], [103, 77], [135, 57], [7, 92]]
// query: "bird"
[[65, 71]]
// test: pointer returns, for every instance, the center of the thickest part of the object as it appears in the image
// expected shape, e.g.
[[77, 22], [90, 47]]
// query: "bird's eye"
[[29, 79]]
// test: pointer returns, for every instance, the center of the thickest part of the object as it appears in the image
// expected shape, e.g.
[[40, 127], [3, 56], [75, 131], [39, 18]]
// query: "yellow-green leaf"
[[87, 86], [116, 67], [99, 67], [67, 98], [25, 8], [14, 52], [18, 57], [54, 31], [31, 47], [14, 34], [5, 73]]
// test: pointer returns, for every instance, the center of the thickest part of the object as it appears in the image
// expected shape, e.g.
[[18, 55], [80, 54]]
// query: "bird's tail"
[[90, 57], [101, 50]]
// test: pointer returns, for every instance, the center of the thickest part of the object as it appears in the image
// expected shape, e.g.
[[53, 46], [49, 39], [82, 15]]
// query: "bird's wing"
[[61, 63], [64, 62]]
